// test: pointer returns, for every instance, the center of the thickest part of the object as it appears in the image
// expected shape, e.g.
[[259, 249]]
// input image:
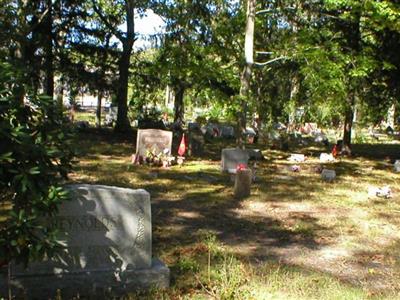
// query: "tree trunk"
[[294, 96], [354, 41], [390, 120], [244, 93], [179, 107], [246, 74], [48, 49], [20, 49], [59, 91], [98, 110], [122, 123], [348, 124]]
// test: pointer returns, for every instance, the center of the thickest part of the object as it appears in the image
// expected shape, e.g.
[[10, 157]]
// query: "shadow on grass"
[[377, 151], [197, 197]]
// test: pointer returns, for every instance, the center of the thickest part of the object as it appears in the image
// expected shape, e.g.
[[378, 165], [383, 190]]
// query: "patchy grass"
[[295, 237]]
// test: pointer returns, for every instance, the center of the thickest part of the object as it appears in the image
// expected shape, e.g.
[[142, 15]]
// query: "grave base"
[[101, 284]]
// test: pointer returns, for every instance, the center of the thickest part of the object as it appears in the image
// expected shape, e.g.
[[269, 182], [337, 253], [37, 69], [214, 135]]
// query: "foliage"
[[35, 154]]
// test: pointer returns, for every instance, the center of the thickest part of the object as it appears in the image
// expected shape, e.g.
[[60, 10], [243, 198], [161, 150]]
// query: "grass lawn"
[[295, 237]]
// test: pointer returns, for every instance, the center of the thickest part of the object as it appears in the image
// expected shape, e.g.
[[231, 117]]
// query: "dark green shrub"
[[35, 156]]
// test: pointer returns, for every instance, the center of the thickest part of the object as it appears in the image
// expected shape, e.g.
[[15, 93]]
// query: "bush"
[[35, 155]]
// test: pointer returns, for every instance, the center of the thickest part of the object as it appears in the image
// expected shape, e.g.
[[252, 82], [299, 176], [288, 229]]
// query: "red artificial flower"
[[241, 167]]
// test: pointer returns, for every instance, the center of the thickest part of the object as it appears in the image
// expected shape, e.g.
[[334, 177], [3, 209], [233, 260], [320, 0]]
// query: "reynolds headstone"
[[232, 157], [154, 140], [106, 233]]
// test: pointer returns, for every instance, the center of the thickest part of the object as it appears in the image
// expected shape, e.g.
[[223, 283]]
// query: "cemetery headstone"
[[397, 166], [193, 126], [111, 116], [232, 157], [154, 140], [212, 130], [326, 157], [382, 192], [297, 158], [255, 154], [243, 181], [273, 134], [196, 143], [320, 138], [227, 131], [106, 232], [328, 175]]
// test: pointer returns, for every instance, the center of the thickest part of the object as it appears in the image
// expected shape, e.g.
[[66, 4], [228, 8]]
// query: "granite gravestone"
[[195, 142], [255, 154], [155, 140], [106, 233], [231, 157], [227, 131], [242, 183], [328, 175]]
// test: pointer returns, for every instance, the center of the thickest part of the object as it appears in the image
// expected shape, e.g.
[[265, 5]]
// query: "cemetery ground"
[[295, 237]]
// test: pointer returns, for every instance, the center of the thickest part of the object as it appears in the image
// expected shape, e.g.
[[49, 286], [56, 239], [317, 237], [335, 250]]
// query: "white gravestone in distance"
[[297, 158], [153, 140], [396, 166], [231, 157], [326, 157], [107, 238]]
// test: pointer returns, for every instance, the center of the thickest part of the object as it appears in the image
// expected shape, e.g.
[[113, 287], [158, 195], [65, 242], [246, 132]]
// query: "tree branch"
[[117, 33], [270, 61]]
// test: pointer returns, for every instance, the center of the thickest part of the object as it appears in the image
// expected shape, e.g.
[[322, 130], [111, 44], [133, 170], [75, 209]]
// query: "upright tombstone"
[[195, 142], [396, 166], [107, 238], [111, 116], [227, 131], [231, 157], [255, 154], [242, 183], [154, 140]]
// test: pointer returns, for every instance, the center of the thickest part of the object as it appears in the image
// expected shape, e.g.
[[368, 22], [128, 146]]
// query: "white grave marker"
[[326, 157]]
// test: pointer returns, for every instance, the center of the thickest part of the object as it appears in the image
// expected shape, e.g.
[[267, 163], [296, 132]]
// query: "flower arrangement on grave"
[[163, 158], [241, 167]]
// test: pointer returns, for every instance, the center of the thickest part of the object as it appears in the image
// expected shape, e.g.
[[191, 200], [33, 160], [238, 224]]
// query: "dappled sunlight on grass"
[[292, 217]]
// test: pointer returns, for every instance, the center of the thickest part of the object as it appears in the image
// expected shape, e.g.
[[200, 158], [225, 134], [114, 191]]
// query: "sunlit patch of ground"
[[291, 218]]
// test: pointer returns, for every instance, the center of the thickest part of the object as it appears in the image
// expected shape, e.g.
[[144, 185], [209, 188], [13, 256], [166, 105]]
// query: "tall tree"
[[246, 73], [113, 14]]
